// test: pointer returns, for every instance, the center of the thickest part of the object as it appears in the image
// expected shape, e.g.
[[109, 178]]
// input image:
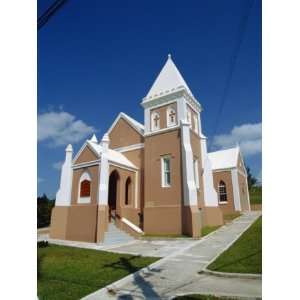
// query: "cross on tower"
[[156, 119], [172, 116]]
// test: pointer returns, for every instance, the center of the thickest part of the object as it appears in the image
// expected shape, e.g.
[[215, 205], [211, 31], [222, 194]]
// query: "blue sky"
[[97, 58]]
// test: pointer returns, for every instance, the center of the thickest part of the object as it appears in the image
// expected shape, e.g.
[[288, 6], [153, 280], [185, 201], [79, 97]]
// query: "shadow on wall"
[[139, 280]]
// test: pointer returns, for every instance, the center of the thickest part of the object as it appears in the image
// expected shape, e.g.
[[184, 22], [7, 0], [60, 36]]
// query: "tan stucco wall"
[[129, 212], [82, 223], [94, 173], [86, 155], [163, 220], [156, 146], [226, 177], [123, 134], [191, 221], [212, 216], [162, 213], [162, 110], [137, 158], [59, 218], [243, 192]]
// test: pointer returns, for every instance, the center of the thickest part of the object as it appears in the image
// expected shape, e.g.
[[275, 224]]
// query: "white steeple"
[[94, 139], [169, 80]]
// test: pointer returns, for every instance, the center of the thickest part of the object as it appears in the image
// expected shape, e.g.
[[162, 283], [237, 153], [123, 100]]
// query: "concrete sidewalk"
[[177, 273]]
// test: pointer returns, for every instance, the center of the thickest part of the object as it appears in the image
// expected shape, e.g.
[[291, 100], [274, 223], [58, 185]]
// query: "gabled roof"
[[113, 156], [135, 124], [169, 79], [224, 159]]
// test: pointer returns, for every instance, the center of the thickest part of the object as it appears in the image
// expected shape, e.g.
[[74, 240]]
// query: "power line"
[[50, 11], [240, 37]]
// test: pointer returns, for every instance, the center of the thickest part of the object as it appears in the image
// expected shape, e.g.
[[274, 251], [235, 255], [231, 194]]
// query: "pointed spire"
[[168, 80], [94, 139], [105, 142], [69, 148]]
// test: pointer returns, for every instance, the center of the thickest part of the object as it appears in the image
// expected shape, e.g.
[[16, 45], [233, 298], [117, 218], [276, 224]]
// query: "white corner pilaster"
[[104, 170], [147, 120], [210, 194], [181, 108], [63, 195], [189, 187], [236, 191]]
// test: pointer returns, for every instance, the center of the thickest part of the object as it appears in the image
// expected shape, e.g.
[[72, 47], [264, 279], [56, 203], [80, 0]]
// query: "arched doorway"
[[113, 190]]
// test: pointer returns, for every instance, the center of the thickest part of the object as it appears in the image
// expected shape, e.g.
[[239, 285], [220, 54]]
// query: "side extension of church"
[[155, 178]]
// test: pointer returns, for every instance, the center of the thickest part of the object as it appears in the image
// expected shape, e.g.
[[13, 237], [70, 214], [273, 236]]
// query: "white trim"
[[140, 130], [122, 166], [190, 191], [81, 150], [84, 176], [87, 164], [162, 130], [136, 189], [64, 193], [131, 225], [236, 190], [196, 173], [129, 148]]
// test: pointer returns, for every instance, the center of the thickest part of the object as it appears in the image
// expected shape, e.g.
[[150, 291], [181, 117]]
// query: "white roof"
[[135, 124], [224, 159], [169, 79], [113, 156]]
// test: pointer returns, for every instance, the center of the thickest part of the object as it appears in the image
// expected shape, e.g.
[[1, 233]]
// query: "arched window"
[[84, 188], [128, 191], [155, 124], [222, 192], [171, 116]]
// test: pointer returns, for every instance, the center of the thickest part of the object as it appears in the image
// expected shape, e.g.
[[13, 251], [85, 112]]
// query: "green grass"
[[244, 256], [255, 195], [230, 217], [208, 229], [202, 297], [68, 273]]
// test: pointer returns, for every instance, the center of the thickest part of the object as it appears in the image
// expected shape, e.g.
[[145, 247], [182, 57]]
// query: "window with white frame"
[[196, 174], [196, 123], [222, 192], [166, 171], [155, 121], [84, 188], [171, 116]]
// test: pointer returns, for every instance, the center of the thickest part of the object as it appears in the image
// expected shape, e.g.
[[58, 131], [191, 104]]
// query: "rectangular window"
[[166, 171]]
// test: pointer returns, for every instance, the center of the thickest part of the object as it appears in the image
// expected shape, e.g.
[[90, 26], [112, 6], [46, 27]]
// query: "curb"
[[231, 275], [223, 296]]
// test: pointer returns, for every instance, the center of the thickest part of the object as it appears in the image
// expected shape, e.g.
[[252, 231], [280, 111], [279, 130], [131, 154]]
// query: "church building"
[[153, 178]]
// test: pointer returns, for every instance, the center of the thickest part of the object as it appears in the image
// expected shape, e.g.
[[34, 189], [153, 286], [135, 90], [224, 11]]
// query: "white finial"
[[69, 148], [105, 138], [169, 56], [94, 139]]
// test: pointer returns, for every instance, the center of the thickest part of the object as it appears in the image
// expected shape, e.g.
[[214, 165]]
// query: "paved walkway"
[[177, 273]]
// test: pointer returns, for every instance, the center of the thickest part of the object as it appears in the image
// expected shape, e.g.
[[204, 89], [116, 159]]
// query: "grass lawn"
[[202, 297], [71, 273], [208, 229], [255, 195], [244, 256]]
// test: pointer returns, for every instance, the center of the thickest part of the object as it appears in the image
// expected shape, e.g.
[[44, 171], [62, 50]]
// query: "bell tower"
[[175, 151]]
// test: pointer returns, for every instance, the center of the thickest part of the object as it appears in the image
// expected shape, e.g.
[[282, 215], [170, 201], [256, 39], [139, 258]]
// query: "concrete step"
[[116, 236]]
